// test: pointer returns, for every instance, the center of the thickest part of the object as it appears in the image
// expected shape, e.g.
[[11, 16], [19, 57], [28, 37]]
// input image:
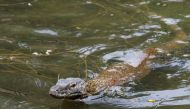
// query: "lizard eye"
[[72, 84]]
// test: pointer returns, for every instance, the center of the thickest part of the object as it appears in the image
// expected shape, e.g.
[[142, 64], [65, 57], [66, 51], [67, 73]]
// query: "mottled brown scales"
[[117, 74]]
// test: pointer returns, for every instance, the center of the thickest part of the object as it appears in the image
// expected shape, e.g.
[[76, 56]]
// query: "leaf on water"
[[151, 100], [78, 28]]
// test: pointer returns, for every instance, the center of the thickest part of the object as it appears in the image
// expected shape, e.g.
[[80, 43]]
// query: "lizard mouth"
[[72, 96]]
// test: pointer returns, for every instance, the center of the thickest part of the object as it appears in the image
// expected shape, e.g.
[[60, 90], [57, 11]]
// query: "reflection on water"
[[179, 96], [46, 31], [74, 105], [131, 57], [41, 40], [171, 21]]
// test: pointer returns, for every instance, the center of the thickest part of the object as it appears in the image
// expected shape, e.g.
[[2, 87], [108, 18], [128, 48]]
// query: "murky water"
[[43, 39]]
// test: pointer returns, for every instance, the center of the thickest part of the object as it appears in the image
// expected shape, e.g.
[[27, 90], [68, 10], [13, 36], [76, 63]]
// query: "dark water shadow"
[[69, 104]]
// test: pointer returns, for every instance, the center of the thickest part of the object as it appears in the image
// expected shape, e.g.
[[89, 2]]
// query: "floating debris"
[[40, 54], [88, 2], [152, 100], [78, 28], [12, 58], [48, 52], [37, 54], [29, 4], [111, 14]]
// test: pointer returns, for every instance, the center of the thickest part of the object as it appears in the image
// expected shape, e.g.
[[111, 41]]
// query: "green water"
[[70, 29]]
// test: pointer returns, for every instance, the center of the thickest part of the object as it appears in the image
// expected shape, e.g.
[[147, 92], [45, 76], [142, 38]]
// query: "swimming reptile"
[[116, 74]]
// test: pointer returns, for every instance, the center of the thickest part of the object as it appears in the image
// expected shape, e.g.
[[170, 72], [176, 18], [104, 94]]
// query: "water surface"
[[43, 39]]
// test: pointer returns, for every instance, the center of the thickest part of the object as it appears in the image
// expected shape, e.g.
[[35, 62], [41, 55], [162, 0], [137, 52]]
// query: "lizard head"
[[69, 88]]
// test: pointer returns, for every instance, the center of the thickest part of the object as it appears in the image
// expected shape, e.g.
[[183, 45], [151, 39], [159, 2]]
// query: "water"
[[43, 39]]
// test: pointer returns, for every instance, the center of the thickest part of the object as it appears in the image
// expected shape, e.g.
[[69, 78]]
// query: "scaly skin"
[[116, 74]]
